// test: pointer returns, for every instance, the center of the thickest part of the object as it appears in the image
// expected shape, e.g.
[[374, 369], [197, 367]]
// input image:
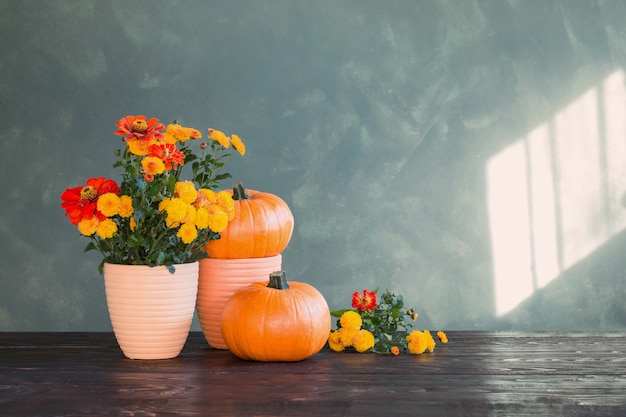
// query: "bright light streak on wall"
[[554, 195]]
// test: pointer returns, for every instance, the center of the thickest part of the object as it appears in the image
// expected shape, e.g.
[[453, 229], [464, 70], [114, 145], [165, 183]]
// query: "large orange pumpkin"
[[276, 321], [262, 227]]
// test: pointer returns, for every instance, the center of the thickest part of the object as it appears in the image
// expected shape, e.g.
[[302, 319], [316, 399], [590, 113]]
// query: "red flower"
[[82, 202], [367, 301], [168, 153], [137, 127]]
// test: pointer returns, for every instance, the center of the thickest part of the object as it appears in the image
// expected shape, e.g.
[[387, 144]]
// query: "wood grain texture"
[[476, 374]]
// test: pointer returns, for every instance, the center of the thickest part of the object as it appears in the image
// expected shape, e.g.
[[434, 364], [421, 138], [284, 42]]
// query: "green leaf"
[[339, 313], [90, 246], [223, 176]]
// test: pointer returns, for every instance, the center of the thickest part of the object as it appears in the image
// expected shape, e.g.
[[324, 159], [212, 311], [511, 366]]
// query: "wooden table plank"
[[477, 373]]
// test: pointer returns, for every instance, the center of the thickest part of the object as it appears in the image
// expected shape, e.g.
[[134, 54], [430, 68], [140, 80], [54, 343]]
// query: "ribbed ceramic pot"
[[219, 280], [151, 309]]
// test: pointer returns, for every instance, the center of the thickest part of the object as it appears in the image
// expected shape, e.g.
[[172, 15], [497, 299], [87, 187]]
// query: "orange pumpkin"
[[262, 227], [276, 321]]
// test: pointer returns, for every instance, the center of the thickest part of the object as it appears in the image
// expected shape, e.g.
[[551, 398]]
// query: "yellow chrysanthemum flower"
[[219, 137], [163, 205], [363, 341], [126, 206], [133, 224], [218, 221], [187, 233], [238, 144], [168, 138], [87, 227], [176, 210], [417, 342], [430, 341], [186, 190], [208, 193], [138, 147], [153, 165], [180, 133], [443, 338], [334, 341], [109, 204], [350, 320], [346, 336], [226, 204], [203, 199], [202, 218], [194, 133], [190, 216], [106, 229]]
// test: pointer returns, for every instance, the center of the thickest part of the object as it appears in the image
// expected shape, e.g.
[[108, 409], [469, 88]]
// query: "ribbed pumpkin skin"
[[273, 325], [262, 227]]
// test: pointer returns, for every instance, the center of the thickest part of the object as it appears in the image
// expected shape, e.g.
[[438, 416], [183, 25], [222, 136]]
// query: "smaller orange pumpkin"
[[262, 227], [276, 321]]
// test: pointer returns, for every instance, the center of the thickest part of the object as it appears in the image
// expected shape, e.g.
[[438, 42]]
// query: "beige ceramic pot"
[[151, 309], [219, 280]]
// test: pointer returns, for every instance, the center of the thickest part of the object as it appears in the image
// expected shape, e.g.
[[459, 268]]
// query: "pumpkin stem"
[[278, 281], [239, 193]]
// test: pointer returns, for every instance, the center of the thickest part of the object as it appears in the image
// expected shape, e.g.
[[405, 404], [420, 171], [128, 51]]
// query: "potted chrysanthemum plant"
[[152, 226]]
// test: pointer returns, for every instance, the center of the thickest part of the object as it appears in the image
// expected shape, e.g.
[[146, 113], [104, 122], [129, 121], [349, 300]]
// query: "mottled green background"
[[376, 121]]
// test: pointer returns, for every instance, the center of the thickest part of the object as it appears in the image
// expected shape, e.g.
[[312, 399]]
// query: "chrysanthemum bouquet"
[[382, 327], [155, 216]]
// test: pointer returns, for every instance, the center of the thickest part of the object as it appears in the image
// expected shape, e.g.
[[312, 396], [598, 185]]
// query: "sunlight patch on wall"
[[554, 195]]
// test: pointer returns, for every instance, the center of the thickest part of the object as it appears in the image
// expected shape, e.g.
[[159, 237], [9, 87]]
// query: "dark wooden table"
[[476, 374]]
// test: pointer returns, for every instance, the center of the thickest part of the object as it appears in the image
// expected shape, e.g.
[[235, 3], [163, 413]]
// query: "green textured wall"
[[458, 152]]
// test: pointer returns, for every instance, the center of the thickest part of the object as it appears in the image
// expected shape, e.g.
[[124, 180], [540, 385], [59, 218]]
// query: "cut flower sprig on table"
[[384, 326], [155, 216]]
